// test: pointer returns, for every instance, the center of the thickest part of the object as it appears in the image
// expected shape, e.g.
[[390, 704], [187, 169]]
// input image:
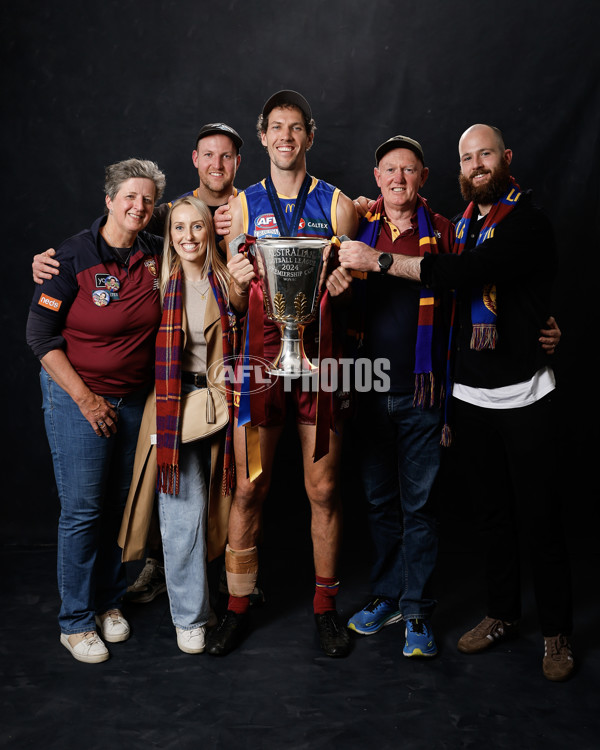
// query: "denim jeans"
[[92, 475], [400, 458], [183, 530]]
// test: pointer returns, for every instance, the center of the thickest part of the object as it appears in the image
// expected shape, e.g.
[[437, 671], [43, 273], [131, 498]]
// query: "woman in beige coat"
[[193, 340]]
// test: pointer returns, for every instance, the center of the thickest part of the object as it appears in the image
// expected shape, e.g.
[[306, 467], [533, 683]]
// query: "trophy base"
[[292, 362]]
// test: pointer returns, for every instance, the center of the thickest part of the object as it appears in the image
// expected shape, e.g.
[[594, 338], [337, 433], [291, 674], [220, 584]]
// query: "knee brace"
[[241, 567]]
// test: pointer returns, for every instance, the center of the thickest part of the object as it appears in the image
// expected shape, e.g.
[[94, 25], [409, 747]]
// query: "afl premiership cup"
[[292, 272]]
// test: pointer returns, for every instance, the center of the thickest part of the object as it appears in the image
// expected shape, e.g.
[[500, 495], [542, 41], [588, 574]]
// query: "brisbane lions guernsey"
[[318, 218], [102, 313]]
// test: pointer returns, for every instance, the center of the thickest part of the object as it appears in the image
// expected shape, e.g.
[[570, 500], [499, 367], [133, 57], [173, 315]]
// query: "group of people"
[[461, 316]]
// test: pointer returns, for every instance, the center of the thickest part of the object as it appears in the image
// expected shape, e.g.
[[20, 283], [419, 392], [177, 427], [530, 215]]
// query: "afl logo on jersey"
[[266, 223]]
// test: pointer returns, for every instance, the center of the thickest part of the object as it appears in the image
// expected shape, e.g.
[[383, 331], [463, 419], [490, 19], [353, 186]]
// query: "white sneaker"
[[114, 626], [87, 647], [192, 641]]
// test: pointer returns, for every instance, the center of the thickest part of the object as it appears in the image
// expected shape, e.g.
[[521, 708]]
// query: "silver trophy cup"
[[292, 274]]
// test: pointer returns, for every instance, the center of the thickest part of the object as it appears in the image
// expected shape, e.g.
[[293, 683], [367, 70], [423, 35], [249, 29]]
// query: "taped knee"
[[241, 567]]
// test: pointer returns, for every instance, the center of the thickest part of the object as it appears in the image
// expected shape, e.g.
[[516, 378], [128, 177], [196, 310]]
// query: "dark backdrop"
[[85, 85]]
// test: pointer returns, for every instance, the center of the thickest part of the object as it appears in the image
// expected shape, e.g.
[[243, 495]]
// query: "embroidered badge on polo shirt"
[[153, 269], [151, 266]]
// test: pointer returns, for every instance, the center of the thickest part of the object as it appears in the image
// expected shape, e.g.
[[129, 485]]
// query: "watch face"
[[385, 261]]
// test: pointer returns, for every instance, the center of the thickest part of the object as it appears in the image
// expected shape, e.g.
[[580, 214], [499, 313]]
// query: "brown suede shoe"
[[558, 658], [484, 635]]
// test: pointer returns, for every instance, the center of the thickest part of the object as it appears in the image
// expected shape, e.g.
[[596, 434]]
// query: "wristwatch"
[[385, 261]]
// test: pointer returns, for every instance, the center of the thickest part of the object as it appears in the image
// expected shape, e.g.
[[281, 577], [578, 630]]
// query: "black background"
[[85, 85]]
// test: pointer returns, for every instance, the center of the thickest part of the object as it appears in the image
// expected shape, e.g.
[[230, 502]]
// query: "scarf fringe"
[[484, 336], [424, 390], [168, 479], [446, 440], [228, 482]]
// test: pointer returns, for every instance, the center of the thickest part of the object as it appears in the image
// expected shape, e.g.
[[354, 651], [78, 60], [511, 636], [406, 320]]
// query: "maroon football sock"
[[239, 604], [325, 593]]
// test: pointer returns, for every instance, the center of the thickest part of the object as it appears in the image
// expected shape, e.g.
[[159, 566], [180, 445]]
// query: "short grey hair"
[[116, 174]]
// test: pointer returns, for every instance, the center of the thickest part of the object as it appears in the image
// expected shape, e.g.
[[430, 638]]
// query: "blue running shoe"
[[419, 639], [378, 613]]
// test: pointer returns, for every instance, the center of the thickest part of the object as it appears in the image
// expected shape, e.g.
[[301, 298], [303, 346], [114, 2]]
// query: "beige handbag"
[[203, 412]]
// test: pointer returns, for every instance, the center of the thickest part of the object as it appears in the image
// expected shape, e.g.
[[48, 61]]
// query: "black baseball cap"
[[399, 141], [219, 128], [287, 96]]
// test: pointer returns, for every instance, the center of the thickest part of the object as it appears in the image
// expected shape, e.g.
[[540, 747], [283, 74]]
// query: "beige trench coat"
[[141, 498]]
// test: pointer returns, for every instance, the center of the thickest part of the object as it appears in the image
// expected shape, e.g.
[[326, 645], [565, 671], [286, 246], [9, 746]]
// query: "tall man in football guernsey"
[[317, 209]]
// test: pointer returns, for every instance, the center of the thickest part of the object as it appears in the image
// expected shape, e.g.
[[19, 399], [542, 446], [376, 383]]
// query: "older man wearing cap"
[[289, 202], [403, 323]]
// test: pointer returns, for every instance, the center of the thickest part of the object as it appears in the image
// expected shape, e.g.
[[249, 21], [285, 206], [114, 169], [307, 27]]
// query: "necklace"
[[122, 253], [201, 287]]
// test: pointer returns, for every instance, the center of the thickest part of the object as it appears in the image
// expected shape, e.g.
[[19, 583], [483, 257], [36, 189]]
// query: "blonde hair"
[[171, 262]]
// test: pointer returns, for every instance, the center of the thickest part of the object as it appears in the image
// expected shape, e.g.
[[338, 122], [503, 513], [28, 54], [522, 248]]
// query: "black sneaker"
[[228, 634], [333, 634]]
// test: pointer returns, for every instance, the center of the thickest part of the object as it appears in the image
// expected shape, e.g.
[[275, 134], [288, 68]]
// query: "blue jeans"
[[183, 530], [400, 458], [92, 475]]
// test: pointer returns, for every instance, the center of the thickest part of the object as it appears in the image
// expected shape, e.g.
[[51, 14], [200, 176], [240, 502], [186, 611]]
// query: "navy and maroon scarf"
[[483, 301], [169, 351]]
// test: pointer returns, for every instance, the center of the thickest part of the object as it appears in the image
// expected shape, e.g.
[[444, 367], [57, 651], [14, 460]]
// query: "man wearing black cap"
[[217, 159], [502, 390], [402, 324], [287, 203]]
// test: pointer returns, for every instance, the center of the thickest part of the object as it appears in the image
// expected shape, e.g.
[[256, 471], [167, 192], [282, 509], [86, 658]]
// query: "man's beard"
[[493, 190]]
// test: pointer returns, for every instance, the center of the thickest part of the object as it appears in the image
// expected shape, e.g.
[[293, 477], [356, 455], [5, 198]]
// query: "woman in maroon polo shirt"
[[93, 328]]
